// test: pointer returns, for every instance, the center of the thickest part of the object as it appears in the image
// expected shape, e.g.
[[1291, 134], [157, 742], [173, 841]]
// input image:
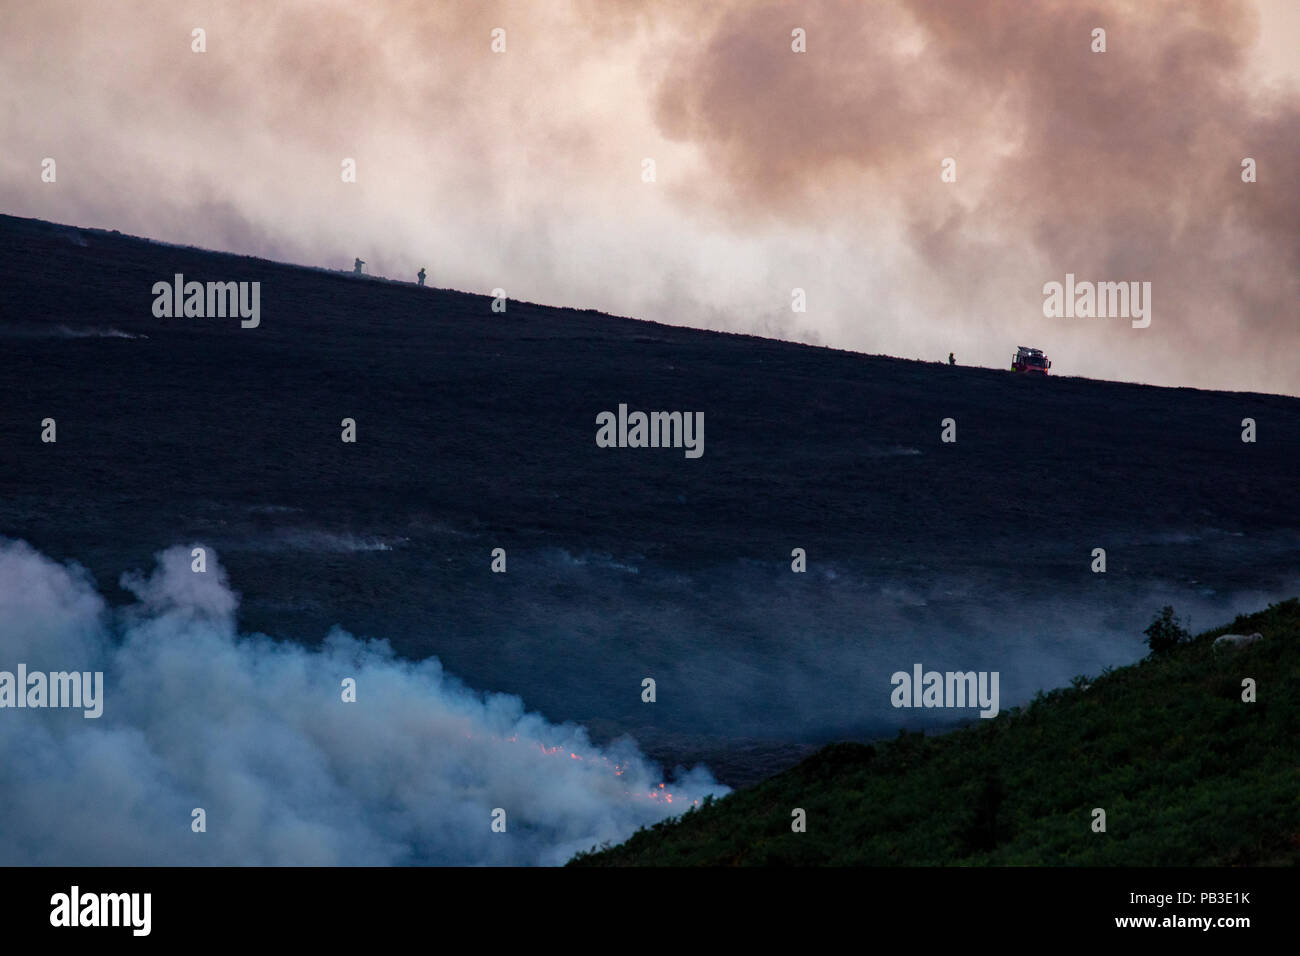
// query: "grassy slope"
[[1187, 773]]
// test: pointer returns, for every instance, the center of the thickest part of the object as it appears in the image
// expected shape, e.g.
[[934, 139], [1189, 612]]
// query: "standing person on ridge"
[[951, 360], [420, 275]]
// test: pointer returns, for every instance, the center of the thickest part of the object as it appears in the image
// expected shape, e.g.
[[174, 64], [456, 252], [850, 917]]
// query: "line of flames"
[[653, 794]]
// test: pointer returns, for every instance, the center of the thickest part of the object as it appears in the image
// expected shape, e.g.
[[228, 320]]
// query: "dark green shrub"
[[1165, 632]]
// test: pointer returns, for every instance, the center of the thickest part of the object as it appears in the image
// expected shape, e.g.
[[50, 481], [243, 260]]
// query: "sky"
[[524, 168]]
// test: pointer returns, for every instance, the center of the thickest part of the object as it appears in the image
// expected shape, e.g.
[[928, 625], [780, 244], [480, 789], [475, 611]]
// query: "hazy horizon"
[[775, 170]]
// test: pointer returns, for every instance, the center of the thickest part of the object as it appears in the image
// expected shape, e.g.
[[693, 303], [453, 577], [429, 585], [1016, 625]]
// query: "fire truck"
[[1030, 361]]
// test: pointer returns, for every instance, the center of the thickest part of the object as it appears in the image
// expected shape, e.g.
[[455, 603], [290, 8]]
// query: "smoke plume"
[[257, 734]]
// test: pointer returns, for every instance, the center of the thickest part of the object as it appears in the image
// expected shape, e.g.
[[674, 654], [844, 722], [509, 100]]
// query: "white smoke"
[[256, 733]]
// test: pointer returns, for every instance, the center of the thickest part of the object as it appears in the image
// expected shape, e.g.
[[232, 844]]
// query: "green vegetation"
[[1187, 773], [1165, 632]]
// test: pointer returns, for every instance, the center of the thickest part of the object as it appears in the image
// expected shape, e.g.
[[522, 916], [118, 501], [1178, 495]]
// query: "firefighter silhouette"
[[420, 275], [356, 266], [951, 360]]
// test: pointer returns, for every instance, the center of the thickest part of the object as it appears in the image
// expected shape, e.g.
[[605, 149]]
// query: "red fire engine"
[[1031, 361]]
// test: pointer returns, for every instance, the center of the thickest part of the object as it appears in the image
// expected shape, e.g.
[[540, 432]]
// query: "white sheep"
[[1236, 640]]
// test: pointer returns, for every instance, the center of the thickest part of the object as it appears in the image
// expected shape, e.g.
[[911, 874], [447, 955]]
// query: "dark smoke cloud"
[[1122, 165]]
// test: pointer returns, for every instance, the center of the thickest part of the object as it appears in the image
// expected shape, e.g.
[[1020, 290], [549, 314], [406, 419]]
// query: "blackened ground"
[[476, 430]]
